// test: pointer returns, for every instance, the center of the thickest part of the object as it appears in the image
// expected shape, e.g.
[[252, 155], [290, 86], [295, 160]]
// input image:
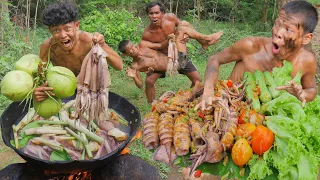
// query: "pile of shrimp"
[[174, 128]]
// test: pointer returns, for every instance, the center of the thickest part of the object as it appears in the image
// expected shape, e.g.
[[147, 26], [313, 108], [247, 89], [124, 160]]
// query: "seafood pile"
[[65, 137], [174, 128]]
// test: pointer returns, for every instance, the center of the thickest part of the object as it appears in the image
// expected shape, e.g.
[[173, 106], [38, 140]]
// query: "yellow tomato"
[[241, 152]]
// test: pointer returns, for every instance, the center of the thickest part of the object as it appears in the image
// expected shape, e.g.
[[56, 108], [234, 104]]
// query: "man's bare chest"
[[159, 35], [260, 61]]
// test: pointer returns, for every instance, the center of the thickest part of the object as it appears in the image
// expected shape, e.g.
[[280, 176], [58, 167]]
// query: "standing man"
[[162, 25], [68, 45]]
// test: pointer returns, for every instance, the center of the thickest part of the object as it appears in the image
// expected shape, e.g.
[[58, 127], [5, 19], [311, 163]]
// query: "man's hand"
[[40, 94], [185, 39], [98, 38], [149, 71], [131, 72], [296, 90], [206, 102]]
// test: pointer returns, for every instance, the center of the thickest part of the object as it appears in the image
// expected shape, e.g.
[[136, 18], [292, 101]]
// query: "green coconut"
[[28, 63], [16, 85], [49, 107], [62, 80]]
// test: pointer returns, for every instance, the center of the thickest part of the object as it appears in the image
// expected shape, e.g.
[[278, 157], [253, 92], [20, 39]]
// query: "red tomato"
[[262, 139], [258, 90], [229, 83], [165, 100], [153, 108], [200, 115], [241, 152], [197, 173]]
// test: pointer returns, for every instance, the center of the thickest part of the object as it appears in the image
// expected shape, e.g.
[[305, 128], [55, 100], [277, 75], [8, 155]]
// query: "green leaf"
[[24, 141], [57, 155]]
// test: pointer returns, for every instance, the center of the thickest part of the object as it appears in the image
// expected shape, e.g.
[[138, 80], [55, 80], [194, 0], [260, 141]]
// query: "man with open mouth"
[[68, 45], [156, 35], [292, 31]]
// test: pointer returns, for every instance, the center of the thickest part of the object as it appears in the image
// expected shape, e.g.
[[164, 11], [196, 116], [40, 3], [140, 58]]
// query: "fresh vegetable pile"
[[274, 136]]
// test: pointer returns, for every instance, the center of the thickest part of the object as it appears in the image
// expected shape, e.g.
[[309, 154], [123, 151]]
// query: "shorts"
[[190, 67]]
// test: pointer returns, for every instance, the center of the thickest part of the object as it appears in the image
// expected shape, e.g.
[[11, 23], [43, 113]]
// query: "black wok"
[[122, 106]]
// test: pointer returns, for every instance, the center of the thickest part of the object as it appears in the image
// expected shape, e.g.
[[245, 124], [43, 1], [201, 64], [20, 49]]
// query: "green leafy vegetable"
[[60, 156]]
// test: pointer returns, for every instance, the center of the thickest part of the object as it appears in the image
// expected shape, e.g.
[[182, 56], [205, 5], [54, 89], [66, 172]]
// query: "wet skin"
[[260, 53], [161, 25], [144, 57], [68, 47]]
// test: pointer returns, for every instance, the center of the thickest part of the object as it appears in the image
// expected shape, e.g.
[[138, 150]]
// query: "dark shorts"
[[188, 68]]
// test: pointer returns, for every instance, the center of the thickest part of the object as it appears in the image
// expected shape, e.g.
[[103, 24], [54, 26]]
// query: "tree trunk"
[[3, 15], [199, 6], [28, 21], [235, 5], [35, 21], [265, 13], [274, 11], [171, 1], [177, 7]]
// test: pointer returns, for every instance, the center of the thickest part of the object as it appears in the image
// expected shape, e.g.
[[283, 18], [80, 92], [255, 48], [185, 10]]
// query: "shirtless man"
[[292, 30], [68, 45], [144, 60], [155, 36]]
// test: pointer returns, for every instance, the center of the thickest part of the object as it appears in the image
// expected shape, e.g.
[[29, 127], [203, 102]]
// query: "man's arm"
[[153, 45], [135, 75], [39, 92], [235, 52]]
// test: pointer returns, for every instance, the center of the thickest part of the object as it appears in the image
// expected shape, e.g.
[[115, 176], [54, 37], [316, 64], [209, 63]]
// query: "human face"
[[287, 35], [155, 15], [65, 34], [131, 50]]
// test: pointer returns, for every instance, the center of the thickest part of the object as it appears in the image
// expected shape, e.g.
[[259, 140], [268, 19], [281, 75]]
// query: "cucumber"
[[265, 95], [271, 85], [253, 97], [251, 90]]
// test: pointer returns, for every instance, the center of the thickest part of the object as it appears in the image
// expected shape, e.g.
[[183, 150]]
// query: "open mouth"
[[66, 43], [275, 48]]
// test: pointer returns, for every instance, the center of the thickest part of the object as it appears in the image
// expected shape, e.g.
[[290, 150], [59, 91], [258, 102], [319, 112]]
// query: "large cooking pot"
[[14, 113]]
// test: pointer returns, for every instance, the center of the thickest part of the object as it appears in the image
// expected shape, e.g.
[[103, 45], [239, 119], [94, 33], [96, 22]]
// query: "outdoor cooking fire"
[[86, 175]]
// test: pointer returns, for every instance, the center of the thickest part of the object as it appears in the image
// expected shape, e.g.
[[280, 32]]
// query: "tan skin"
[[160, 27], [144, 60], [69, 46], [259, 53]]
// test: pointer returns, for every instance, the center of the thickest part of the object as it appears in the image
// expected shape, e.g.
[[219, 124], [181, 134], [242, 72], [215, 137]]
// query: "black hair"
[[306, 10], [122, 45], [60, 13], [152, 4]]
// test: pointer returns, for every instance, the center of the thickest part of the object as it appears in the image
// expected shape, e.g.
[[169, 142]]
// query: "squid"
[[165, 152], [181, 135], [150, 130]]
